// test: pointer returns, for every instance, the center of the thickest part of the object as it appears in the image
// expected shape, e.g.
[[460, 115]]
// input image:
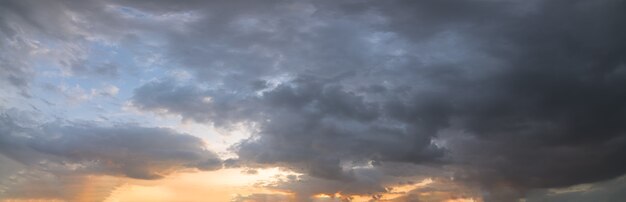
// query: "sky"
[[313, 100]]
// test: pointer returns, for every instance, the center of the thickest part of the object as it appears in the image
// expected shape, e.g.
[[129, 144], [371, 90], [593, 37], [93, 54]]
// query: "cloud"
[[77, 94], [107, 70], [302, 124], [507, 96], [129, 150], [63, 150], [523, 84], [603, 191]]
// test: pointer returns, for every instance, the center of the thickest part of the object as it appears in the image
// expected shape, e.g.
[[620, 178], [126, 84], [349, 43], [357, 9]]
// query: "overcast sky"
[[321, 100]]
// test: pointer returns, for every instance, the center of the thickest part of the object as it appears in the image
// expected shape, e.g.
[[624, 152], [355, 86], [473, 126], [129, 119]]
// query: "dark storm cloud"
[[127, 150], [532, 92], [555, 104], [304, 124]]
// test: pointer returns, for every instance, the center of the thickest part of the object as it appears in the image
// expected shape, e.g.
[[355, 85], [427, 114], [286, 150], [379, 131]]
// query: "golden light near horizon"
[[224, 185], [220, 185]]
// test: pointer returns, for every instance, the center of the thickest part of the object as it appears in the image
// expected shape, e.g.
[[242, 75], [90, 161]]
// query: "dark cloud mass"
[[527, 94], [511, 98]]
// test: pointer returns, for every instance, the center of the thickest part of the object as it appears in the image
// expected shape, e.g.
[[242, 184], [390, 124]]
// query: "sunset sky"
[[313, 100]]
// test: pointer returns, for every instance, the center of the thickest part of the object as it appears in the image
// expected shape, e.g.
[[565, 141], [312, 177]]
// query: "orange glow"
[[32, 200], [221, 185], [401, 190], [322, 196], [228, 184]]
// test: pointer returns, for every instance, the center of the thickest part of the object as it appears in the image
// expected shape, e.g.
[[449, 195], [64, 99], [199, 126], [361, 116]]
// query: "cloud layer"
[[505, 97]]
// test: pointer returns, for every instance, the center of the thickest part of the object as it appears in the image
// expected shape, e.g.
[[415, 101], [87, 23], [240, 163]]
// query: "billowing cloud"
[[514, 92], [306, 124], [502, 99]]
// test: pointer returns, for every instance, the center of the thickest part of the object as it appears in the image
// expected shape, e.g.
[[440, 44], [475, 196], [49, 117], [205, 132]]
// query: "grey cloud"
[[218, 105], [602, 191], [535, 87], [306, 186], [58, 34], [20, 21], [306, 125], [527, 94], [106, 70], [126, 150], [15, 73]]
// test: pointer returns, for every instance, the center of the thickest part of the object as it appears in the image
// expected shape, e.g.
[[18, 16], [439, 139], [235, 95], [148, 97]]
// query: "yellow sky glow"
[[220, 185]]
